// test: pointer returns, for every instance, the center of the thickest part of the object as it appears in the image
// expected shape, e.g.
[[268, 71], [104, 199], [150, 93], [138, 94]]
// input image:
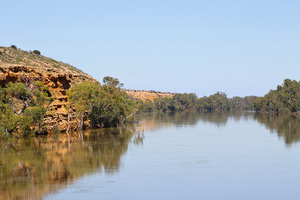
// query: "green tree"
[[83, 97], [105, 106], [115, 106], [16, 98], [147, 106], [112, 82], [285, 99]]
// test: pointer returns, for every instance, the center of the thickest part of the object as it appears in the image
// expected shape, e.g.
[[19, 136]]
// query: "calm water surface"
[[166, 156]]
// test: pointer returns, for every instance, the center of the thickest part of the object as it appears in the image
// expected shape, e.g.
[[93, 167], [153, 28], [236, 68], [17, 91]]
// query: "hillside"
[[12, 56], [18, 65], [27, 67]]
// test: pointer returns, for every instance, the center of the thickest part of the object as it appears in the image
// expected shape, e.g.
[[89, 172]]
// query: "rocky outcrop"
[[148, 95], [18, 65], [24, 66], [58, 82]]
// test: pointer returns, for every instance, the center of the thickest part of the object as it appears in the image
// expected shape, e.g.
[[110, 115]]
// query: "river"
[[241, 155]]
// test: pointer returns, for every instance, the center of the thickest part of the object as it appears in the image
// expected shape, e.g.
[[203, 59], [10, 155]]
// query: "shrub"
[[55, 129], [37, 52], [13, 46]]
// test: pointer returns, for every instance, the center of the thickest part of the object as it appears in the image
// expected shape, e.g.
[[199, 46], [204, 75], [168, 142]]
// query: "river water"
[[166, 156]]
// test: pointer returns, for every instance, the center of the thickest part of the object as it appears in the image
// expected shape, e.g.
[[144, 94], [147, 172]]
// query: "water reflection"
[[156, 120], [138, 138], [285, 126], [31, 168]]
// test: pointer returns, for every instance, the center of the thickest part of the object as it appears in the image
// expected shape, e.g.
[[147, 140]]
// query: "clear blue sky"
[[241, 47]]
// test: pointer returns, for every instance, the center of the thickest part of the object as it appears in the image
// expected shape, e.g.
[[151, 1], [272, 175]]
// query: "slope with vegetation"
[[33, 91], [41, 95]]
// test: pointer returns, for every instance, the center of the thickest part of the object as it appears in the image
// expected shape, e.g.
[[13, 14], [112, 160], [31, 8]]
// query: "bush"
[[55, 129], [37, 52], [13, 46]]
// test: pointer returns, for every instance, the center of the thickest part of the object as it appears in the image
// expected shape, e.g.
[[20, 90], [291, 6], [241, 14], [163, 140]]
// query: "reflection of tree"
[[138, 138], [29, 170], [215, 118], [178, 118], [237, 116], [285, 126], [187, 118]]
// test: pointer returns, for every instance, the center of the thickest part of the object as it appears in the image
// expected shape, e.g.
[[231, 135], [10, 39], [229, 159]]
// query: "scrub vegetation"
[[190, 102], [24, 102], [23, 106], [105, 105], [285, 99], [13, 55]]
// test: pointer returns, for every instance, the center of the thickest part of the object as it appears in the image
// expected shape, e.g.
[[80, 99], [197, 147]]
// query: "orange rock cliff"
[[58, 82], [148, 95], [58, 76], [15, 64]]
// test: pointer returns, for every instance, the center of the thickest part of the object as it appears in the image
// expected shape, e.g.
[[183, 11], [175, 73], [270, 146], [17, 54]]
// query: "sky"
[[240, 47]]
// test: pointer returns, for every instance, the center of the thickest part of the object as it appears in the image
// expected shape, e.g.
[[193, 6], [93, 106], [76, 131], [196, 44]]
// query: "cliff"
[[18, 65], [148, 95], [25, 66]]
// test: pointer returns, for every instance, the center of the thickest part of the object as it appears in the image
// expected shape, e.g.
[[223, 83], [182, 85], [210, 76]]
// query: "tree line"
[[285, 99], [24, 104], [190, 102]]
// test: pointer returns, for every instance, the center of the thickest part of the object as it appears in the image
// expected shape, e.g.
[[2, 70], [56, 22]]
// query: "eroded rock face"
[[148, 95], [58, 82]]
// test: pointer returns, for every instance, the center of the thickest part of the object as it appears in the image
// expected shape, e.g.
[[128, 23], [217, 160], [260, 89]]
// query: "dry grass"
[[12, 56]]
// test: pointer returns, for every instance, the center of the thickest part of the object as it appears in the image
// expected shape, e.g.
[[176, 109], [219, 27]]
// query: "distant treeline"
[[24, 104], [190, 102], [285, 99]]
